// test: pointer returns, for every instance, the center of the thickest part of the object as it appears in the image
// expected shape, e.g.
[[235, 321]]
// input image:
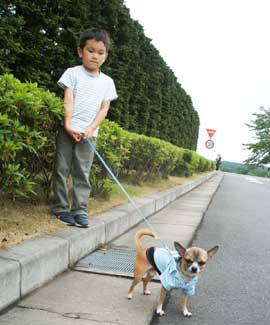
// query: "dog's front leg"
[[162, 297], [185, 311]]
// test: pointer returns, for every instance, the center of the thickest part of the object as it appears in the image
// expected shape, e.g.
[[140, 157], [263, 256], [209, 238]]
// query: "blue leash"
[[123, 190]]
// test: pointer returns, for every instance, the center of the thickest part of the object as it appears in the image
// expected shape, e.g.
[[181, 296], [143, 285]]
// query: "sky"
[[219, 51]]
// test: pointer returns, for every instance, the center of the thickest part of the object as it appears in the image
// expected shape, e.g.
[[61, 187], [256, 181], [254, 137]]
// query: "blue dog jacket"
[[170, 277]]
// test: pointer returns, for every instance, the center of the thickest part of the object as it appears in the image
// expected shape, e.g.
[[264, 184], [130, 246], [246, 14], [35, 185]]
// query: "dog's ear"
[[211, 252], [180, 248]]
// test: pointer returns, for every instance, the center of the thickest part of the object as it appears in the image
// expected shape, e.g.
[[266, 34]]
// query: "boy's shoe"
[[81, 220], [66, 218]]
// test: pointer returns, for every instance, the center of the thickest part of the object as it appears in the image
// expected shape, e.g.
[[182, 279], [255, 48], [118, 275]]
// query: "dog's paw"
[[186, 313], [129, 296], [160, 311], [147, 292]]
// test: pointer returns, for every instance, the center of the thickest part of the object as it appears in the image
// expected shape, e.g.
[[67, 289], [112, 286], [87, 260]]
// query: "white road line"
[[253, 180]]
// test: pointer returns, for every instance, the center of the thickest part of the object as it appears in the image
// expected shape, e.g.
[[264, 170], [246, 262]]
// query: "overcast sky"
[[220, 52]]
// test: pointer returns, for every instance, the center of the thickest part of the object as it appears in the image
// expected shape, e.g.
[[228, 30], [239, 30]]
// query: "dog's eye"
[[201, 263], [189, 261]]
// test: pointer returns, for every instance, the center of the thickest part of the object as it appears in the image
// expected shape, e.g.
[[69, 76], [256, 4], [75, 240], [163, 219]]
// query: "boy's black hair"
[[96, 34]]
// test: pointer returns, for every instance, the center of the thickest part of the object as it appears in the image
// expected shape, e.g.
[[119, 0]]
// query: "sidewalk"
[[91, 298]]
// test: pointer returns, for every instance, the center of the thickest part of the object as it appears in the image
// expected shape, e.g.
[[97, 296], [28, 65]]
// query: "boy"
[[87, 96]]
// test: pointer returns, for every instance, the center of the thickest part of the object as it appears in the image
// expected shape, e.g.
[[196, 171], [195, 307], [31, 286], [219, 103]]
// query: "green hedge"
[[140, 158], [29, 117], [38, 43], [28, 121]]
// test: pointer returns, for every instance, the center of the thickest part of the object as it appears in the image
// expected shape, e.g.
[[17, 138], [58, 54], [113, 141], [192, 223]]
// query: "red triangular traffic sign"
[[210, 132]]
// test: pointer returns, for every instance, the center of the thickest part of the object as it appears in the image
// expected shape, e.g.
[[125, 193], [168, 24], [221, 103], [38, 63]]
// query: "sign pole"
[[209, 144]]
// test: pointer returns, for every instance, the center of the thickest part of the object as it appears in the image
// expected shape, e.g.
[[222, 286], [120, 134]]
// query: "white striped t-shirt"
[[89, 92]]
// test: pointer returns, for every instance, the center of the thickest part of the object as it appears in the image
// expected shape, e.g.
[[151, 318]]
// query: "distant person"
[[218, 162], [87, 96]]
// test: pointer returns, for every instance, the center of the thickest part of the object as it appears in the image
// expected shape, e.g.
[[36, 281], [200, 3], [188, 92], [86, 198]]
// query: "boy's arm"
[[68, 108], [104, 108]]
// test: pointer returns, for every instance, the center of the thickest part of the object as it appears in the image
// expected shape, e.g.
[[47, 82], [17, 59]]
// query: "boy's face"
[[93, 55]]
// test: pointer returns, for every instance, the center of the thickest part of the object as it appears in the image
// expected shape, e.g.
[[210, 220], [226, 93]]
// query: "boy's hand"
[[105, 105], [74, 134], [89, 134]]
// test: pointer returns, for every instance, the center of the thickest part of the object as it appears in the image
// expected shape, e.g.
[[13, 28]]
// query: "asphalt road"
[[235, 288]]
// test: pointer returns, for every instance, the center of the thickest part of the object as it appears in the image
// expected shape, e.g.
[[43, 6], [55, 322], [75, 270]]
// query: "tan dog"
[[182, 273]]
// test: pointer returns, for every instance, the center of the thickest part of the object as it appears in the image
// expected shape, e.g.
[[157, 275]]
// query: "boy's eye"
[[93, 51]]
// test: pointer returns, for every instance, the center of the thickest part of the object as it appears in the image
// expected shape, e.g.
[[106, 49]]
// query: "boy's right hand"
[[68, 107], [74, 134]]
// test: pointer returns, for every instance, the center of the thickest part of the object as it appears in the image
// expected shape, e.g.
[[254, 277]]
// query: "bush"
[[113, 145], [149, 158], [28, 121]]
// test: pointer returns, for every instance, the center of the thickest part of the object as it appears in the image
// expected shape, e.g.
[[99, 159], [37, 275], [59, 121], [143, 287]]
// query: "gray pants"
[[73, 159]]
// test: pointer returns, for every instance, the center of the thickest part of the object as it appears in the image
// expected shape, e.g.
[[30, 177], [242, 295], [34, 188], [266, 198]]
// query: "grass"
[[20, 221]]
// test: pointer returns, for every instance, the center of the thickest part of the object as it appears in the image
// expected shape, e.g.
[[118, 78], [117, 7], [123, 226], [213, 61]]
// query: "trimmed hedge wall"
[[38, 43]]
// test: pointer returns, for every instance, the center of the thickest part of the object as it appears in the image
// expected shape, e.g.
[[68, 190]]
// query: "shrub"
[[28, 120], [113, 145], [149, 158]]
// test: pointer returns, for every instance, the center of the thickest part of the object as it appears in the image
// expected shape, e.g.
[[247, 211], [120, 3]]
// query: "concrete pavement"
[[84, 298]]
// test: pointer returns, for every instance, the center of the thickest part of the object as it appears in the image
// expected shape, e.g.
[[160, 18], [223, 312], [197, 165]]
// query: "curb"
[[33, 263]]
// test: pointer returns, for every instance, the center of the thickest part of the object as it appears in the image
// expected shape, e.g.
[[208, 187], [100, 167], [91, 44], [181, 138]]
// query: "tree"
[[260, 150]]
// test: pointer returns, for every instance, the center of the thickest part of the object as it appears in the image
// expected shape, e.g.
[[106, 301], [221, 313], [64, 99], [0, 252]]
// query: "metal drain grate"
[[112, 261]]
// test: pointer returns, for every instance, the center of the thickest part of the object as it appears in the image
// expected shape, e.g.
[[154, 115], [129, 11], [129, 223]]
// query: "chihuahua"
[[177, 269]]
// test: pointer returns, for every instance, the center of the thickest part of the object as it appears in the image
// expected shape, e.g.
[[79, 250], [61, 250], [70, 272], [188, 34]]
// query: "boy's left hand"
[[89, 134]]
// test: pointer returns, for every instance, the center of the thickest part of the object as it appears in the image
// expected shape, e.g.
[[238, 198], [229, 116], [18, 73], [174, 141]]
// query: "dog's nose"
[[194, 269]]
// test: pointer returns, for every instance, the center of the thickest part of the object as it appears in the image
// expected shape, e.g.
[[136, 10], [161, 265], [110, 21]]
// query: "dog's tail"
[[138, 236]]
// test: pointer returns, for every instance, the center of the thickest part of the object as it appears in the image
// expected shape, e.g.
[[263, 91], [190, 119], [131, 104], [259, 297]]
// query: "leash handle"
[[124, 191]]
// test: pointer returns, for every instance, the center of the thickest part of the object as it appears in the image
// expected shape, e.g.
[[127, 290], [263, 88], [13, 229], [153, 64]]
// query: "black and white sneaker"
[[81, 220], [66, 218]]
